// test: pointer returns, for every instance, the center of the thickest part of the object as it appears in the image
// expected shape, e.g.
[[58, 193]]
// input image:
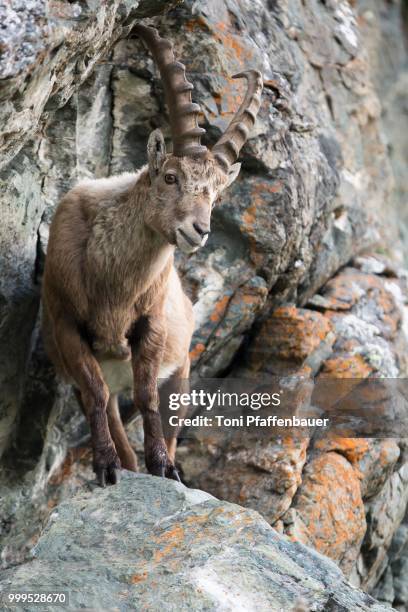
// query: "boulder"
[[150, 543]]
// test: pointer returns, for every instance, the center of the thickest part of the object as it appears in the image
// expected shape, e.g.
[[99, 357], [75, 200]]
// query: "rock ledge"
[[147, 541]]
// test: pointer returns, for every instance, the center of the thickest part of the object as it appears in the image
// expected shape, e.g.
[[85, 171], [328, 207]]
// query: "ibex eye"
[[170, 179]]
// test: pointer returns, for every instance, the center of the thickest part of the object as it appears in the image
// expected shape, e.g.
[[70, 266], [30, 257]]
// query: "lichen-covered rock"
[[346, 497], [80, 96], [328, 509], [148, 543], [290, 335]]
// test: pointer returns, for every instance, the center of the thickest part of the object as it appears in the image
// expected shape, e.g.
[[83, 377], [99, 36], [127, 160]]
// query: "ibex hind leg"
[[177, 383], [126, 453], [82, 368], [120, 439]]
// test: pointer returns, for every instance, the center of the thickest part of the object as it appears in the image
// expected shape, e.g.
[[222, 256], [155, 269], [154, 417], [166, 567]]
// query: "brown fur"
[[111, 294], [111, 291]]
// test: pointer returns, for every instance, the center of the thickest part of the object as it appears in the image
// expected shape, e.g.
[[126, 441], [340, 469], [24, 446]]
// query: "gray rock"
[[393, 586], [40, 71], [148, 543], [381, 525], [389, 69], [79, 98]]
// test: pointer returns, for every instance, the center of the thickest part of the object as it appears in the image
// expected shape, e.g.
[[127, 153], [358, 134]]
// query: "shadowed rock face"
[[149, 543], [315, 190]]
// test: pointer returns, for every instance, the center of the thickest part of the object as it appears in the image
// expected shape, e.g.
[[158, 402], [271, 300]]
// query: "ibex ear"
[[233, 172], [156, 152]]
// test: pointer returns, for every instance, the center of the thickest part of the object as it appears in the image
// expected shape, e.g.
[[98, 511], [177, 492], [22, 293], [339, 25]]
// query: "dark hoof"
[[172, 473], [107, 468], [166, 470], [158, 462], [108, 475], [115, 476], [100, 477]]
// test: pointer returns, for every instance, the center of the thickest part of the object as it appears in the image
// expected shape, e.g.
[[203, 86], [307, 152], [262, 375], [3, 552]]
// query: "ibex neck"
[[122, 246]]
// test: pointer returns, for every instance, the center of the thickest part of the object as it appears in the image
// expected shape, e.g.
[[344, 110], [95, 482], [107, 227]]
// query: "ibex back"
[[114, 309]]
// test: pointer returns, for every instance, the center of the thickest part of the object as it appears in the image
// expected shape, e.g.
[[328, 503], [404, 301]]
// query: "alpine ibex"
[[114, 311]]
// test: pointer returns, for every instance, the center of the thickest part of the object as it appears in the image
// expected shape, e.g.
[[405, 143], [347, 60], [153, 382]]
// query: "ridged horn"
[[183, 113], [227, 148]]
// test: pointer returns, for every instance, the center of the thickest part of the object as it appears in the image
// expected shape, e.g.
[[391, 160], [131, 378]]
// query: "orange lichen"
[[290, 334], [353, 449], [196, 351], [138, 578], [347, 288], [173, 537], [219, 309], [260, 197], [248, 217], [248, 298], [196, 23], [232, 43], [351, 366], [330, 509], [176, 532]]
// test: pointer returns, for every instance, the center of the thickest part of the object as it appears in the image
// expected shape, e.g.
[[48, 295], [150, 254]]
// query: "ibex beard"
[[114, 311]]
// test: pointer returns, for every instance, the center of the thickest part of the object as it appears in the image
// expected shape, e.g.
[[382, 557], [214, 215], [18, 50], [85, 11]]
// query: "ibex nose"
[[201, 229]]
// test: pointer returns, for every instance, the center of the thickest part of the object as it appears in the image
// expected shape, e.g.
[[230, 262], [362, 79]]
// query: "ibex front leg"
[[93, 393], [147, 343]]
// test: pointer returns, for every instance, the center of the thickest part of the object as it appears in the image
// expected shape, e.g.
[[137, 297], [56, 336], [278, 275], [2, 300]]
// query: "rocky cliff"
[[148, 542], [322, 182]]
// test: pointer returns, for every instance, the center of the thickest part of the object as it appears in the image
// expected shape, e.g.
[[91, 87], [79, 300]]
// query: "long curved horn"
[[183, 112], [227, 148]]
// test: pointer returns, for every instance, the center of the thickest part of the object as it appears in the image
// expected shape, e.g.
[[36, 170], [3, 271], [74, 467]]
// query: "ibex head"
[[186, 183]]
